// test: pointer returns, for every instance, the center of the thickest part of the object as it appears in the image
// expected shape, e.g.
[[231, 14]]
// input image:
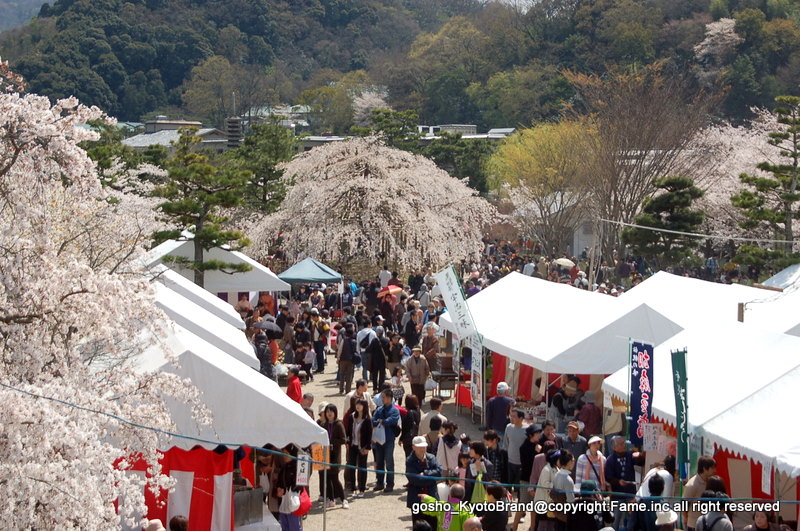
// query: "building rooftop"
[[164, 138]]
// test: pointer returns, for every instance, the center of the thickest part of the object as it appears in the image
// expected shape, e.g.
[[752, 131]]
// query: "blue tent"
[[308, 271]]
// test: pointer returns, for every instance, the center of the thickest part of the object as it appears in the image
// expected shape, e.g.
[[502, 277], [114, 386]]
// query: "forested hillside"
[[458, 61], [17, 12]]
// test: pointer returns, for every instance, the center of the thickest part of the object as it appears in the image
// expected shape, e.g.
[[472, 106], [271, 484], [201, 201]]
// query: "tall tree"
[[645, 120], [670, 210], [264, 148], [195, 193], [773, 195], [544, 170]]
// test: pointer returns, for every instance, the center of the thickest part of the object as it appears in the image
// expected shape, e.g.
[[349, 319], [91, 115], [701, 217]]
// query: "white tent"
[[764, 406], [247, 407], [188, 289], [689, 301], [206, 325], [559, 328], [776, 311], [725, 364], [259, 278]]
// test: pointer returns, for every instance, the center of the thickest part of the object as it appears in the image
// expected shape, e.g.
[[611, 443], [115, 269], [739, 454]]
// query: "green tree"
[[264, 148], [465, 159], [398, 128], [669, 210], [195, 192], [771, 201]]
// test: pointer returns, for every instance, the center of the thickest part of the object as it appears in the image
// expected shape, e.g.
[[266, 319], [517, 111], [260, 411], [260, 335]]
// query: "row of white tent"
[[206, 339], [742, 377]]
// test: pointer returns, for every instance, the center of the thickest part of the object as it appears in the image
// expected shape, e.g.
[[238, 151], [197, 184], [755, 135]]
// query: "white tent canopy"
[[765, 406], [206, 325], [259, 278], [558, 328], [688, 301], [725, 363], [247, 407], [776, 311], [188, 289]]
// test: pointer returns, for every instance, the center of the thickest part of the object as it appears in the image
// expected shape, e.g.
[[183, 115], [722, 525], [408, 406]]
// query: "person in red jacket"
[[294, 390]]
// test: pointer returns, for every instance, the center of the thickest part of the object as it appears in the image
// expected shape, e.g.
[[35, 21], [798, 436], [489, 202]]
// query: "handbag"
[[431, 384], [305, 503]]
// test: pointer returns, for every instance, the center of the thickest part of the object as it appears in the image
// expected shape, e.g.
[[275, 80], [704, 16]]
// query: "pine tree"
[[195, 192], [670, 210], [772, 200]]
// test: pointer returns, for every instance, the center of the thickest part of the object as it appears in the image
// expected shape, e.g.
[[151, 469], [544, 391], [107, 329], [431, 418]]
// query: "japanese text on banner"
[[641, 399]]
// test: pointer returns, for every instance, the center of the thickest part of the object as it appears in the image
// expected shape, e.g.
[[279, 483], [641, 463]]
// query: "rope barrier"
[[356, 468]]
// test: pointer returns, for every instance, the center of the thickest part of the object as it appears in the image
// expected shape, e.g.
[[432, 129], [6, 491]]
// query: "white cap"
[[502, 387], [419, 442]]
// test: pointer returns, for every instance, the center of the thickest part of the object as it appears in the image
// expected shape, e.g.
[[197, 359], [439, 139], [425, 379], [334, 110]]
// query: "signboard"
[[474, 342], [681, 411], [303, 469], [652, 432], [641, 390], [455, 302]]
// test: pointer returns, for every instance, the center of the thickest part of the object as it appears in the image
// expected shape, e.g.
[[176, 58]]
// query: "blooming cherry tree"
[[74, 315], [360, 199]]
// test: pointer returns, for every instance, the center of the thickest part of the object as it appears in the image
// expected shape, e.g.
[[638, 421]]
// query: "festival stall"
[[206, 325], [259, 278], [244, 405], [188, 289], [310, 271], [533, 326], [740, 382]]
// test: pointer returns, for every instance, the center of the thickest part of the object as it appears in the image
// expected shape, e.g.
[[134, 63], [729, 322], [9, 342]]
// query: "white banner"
[[474, 343], [455, 302], [652, 432], [766, 477]]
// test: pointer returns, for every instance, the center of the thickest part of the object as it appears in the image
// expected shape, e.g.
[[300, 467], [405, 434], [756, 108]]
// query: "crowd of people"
[[384, 334]]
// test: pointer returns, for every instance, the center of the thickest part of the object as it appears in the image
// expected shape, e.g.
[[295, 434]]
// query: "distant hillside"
[[15, 13], [491, 63]]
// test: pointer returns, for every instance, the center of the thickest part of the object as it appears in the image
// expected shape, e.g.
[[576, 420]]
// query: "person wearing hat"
[[574, 441], [418, 372], [590, 415], [155, 525], [527, 453], [498, 408], [422, 469], [591, 465], [319, 338], [665, 520], [452, 517], [559, 409]]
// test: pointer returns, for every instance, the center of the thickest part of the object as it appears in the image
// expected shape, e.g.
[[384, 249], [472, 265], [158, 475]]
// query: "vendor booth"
[[309, 271], [533, 328], [259, 278], [207, 326], [191, 291], [244, 405], [740, 384]]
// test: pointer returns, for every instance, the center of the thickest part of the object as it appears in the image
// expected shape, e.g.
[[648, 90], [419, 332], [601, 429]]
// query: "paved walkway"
[[377, 510]]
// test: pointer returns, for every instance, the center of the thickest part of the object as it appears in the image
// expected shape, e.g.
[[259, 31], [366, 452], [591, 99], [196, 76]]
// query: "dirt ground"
[[377, 510]]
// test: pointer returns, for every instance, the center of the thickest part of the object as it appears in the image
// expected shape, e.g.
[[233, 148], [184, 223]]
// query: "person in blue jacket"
[[387, 416]]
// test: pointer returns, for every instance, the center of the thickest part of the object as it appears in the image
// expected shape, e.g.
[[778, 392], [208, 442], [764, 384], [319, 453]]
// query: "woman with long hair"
[[360, 435], [337, 437]]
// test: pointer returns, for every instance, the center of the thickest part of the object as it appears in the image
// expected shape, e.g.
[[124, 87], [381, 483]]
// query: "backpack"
[[262, 353], [365, 341]]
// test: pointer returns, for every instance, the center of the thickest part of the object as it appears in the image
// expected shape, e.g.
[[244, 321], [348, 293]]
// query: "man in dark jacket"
[[620, 475], [377, 353], [421, 463]]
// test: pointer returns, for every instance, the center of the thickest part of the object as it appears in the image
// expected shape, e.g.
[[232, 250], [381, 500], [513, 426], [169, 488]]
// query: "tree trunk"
[[199, 274]]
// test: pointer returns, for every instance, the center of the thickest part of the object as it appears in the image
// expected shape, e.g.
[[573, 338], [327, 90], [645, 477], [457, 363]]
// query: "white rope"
[[694, 234]]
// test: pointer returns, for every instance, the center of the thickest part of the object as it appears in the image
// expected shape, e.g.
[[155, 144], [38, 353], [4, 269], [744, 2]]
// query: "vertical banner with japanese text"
[[681, 411], [475, 344], [641, 399], [455, 302]]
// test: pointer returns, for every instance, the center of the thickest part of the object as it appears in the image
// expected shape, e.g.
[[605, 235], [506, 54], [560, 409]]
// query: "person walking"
[[418, 372], [422, 469], [346, 360]]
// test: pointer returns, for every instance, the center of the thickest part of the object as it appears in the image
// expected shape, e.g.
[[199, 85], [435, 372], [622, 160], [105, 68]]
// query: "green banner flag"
[[681, 411]]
